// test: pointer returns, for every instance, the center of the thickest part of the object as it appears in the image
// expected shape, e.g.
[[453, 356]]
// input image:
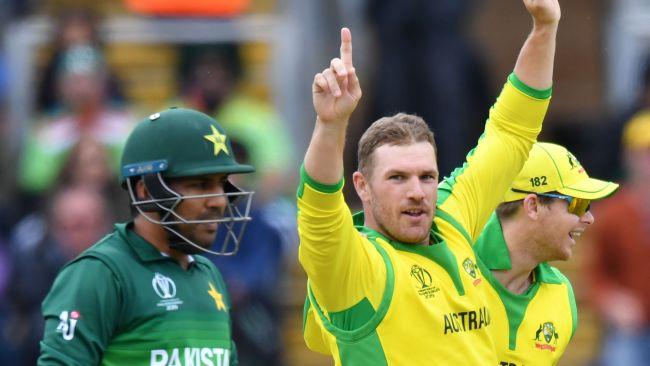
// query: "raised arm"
[[534, 65], [471, 194], [336, 93]]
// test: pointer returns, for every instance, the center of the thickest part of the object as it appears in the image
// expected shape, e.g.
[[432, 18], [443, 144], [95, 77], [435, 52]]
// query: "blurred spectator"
[[608, 146], [41, 245], [6, 169], [7, 354], [74, 28], [88, 164], [212, 76], [436, 74], [82, 81], [254, 274], [620, 273]]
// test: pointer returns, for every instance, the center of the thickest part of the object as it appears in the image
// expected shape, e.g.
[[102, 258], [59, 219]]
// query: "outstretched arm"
[[534, 65], [471, 193], [343, 268], [335, 92]]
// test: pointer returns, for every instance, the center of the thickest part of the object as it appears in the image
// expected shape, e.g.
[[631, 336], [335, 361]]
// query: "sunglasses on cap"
[[577, 206]]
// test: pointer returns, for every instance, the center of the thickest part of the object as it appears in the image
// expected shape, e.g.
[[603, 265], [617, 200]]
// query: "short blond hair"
[[400, 129]]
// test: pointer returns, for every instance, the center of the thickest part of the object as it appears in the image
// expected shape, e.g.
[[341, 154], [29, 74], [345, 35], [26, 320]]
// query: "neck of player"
[[523, 262], [157, 236]]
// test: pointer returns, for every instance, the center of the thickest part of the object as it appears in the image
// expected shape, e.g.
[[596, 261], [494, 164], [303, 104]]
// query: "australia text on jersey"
[[467, 320]]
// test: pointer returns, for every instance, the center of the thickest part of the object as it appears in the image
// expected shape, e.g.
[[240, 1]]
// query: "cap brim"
[[214, 169], [590, 188]]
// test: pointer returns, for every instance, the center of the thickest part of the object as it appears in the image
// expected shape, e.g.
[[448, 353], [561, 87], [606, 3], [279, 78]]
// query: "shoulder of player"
[[552, 275], [85, 267], [96, 258], [112, 245], [208, 266], [204, 262]]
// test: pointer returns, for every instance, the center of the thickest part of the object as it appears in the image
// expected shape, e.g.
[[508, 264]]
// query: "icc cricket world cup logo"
[[423, 282], [422, 276]]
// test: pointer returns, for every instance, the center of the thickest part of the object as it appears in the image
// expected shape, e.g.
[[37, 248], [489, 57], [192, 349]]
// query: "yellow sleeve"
[[473, 190], [343, 267]]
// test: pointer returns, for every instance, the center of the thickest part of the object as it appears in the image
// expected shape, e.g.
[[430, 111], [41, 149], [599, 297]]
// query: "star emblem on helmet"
[[219, 141]]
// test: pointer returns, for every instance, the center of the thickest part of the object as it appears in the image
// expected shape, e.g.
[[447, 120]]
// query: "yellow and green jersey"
[[374, 301], [533, 328]]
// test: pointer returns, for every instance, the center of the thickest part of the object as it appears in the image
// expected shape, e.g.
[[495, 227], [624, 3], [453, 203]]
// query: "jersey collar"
[[438, 252], [144, 250]]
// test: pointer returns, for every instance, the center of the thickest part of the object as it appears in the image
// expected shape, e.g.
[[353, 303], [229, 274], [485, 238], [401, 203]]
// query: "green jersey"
[[122, 302]]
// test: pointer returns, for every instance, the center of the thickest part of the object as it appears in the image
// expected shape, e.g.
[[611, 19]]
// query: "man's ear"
[[531, 206], [141, 191], [361, 185]]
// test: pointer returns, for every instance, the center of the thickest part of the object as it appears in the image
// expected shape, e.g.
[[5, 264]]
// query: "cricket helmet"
[[178, 143]]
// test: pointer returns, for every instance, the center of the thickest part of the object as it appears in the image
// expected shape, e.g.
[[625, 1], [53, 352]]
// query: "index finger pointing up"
[[346, 47]]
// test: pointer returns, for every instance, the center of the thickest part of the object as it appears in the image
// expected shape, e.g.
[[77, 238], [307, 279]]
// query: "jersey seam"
[[372, 324]]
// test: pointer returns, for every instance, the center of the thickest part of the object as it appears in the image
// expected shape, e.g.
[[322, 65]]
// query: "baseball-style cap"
[[552, 168], [636, 134]]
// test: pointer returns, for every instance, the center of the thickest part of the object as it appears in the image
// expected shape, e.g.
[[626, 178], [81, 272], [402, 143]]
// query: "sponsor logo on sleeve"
[[165, 288], [67, 324]]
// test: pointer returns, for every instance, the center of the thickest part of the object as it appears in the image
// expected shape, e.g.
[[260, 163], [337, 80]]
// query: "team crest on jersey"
[[546, 337], [423, 282], [67, 324], [471, 270], [165, 288]]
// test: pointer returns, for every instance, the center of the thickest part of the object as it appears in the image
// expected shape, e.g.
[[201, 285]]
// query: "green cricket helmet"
[[178, 143]]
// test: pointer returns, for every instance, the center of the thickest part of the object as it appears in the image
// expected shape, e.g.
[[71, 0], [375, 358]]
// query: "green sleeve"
[[81, 313], [574, 308]]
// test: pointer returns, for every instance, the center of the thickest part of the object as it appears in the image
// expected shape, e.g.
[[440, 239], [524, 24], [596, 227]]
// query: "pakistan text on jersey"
[[190, 356], [467, 320]]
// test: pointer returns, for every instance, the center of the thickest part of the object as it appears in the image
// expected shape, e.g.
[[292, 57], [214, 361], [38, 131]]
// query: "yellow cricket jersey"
[[375, 301], [533, 328]]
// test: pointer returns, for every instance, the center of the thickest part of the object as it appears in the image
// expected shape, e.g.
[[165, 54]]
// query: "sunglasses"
[[577, 206]]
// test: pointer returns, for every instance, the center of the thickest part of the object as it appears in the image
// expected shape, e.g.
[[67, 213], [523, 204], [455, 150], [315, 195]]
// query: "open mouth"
[[414, 213], [575, 234]]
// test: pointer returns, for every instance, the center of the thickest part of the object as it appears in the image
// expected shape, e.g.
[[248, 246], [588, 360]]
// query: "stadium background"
[[602, 52]]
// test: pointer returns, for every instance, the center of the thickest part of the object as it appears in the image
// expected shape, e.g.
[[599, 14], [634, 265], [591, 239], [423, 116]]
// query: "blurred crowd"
[[60, 192], [66, 194]]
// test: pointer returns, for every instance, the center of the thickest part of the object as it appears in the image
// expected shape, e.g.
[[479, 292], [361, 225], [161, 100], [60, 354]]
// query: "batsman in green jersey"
[[141, 295]]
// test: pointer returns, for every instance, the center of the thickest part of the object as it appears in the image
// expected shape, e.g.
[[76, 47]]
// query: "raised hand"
[[544, 11], [336, 90]]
